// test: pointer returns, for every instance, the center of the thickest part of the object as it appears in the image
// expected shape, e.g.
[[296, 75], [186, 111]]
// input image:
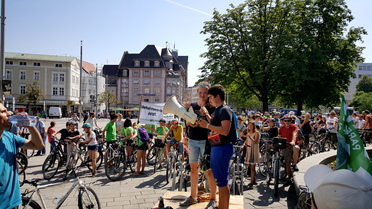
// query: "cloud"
[[187, 7]]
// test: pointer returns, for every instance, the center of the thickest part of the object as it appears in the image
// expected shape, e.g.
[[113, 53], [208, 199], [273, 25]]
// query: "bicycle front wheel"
[[22, 158], [21, 174], [151, 155], [133, 161], [315, 147], [265, 164], [88, 198], [26, 201], [169, 171], [115, 168], [51, 166]]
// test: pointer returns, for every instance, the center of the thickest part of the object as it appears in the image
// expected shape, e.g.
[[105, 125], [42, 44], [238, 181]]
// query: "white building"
[[362, 69]]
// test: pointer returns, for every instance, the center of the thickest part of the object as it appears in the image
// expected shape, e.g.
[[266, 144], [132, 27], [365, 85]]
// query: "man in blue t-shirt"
[[10, 193]]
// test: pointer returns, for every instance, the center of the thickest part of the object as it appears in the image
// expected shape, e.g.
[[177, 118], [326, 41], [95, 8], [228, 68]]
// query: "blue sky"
[[110, 27]]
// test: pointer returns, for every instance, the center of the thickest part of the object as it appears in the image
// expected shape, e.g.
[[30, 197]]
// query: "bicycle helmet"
[[87, 125], [286, 116]]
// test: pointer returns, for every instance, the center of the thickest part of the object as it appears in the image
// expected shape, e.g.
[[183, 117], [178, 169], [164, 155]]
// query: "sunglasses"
[[287, 120]]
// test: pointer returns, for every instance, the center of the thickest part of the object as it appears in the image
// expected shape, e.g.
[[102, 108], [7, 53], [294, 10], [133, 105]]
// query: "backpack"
[[235, 125], [143, 135]]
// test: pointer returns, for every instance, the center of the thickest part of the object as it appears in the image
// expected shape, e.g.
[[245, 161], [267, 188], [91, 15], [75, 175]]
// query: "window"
[[9, 62], [174, 82], [146, 100], [147, 90], [157, 90], [22, 63], [146, 73], [58, 65], [124, 90], [174, 91], [36, 76], [135, 81], [124, 80], [135, 90], [73, 92], [156, 64], [73, 79], [125, 73], [136, 63], [62, 91], [146, 82], [77, 92], [22, 75], [157, 73], [360, 75], [135, 73], [22, 89], [55, 91], [157, 81], [8, 74], [36, 63], [55, 76], [157, 100], [168, 90], [168, 82], [147, 63], [62, 77], [136, 99]]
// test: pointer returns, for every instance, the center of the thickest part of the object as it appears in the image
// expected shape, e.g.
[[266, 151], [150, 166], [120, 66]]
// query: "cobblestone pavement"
[[142, 191]]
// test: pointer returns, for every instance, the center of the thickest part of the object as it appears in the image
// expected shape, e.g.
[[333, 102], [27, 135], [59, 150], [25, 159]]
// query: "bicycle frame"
[[62, 200]]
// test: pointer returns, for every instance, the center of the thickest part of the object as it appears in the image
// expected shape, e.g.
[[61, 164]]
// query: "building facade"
[[155, 74], [362, 69], [57, 76]]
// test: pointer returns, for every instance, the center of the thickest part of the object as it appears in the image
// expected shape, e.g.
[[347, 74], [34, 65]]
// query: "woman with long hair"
[[91, 140], [141, 153], [252, 156], [129, 134], [52, 139]]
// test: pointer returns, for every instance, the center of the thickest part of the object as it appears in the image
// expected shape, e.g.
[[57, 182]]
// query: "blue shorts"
[[196, 150], [92, 147], [220, 159], [172, 142]]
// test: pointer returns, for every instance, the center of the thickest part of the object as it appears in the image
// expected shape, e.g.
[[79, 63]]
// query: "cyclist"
[[289, 131], [332, 122], [110, 128], [271, 128], [70, 139], [162, 130], [64, 135], [177, 136], [129, 134], [91, 140]]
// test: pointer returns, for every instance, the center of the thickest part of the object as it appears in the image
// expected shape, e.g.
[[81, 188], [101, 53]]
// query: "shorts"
[[92, 147], [287, 153], [143, 146], [109, 142], [220, 159], [196, 150], [172, 142], [307, 138], [129, 142]]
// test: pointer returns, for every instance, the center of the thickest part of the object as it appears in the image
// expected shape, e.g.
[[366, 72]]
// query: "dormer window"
[[136, 63], [156, 64], [147, 63]]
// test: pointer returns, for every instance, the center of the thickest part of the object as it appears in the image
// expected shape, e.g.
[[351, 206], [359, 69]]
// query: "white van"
[[55, 112]]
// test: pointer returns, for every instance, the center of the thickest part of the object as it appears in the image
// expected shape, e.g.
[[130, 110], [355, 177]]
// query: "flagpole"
[[139, 110], [81, 76]]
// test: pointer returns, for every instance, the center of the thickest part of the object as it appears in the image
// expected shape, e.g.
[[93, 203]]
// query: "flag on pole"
[[351, 153]]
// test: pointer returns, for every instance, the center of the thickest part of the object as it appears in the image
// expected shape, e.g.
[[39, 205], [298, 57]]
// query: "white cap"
[[339, 189]]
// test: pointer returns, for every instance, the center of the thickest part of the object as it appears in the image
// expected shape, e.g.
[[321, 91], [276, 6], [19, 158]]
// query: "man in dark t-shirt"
[[64, 134], [71, 133]]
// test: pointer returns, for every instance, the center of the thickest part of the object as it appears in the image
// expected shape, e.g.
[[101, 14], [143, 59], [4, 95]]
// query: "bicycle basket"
[[280, 143]]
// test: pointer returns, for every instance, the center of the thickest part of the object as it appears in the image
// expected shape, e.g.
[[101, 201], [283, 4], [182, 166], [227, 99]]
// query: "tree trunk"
[[265, 103], [299, 108]]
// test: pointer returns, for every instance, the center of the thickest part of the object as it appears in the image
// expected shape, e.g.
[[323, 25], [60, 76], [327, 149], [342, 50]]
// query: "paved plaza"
[[142, 191]]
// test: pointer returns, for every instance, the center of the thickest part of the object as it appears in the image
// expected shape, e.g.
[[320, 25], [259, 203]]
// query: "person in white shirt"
[[91, 141], [355, 119], [92, 121], [361, 122], [332, 123]]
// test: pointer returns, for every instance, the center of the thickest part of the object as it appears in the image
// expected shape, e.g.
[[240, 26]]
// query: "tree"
[[362, 101], [285, 48], [33, 95], [111, 99], [364, 84]]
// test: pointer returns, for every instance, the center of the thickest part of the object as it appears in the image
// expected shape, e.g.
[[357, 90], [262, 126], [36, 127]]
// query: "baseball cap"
[[162, 120], [339, 189]]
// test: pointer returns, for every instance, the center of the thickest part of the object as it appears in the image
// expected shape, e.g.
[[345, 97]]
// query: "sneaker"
[[160, 167], [189, 201], [212, 204], [288, 182], [295, 168]]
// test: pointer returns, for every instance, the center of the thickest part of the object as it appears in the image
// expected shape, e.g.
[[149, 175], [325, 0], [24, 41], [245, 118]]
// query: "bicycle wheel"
[[21, 174], [88, 198], [151, 154], [315, 147], [169, 171], [22, 158], [115, 168], [276, 177], [28, 152], [133, 161], [50, 166], [70, 165], [174, 176], [156, 159], [26, 201], [265, 164]]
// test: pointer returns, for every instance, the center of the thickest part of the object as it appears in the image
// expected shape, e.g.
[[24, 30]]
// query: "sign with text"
[[151, 113]]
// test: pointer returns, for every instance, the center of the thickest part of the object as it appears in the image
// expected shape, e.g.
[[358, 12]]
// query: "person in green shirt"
[[161, 131], [110, 128], [128, 133]]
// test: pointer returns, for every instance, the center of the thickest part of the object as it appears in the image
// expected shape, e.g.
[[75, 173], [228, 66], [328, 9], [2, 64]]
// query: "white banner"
[[151, 113]]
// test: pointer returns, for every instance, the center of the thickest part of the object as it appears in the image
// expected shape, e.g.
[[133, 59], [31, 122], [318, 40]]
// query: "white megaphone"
[[172, 106]]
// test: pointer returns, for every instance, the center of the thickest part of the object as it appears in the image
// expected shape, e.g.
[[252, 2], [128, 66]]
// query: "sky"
[[110, 27]]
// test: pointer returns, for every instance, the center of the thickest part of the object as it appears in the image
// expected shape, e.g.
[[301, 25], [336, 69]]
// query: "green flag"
[[350, 149]]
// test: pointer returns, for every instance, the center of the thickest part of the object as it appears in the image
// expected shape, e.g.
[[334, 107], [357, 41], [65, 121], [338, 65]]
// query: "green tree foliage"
[[362, 101], [111, 99], [294, 49], [364, 84], [32, 95]]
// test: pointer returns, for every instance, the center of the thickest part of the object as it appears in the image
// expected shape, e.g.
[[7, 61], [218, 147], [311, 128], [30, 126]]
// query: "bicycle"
[[55, 160], [22, 159], [21, 173], [87, 198], [176, 168], [156, 153], [236, 171], [116, 165], [278, 163], [77, 154]]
